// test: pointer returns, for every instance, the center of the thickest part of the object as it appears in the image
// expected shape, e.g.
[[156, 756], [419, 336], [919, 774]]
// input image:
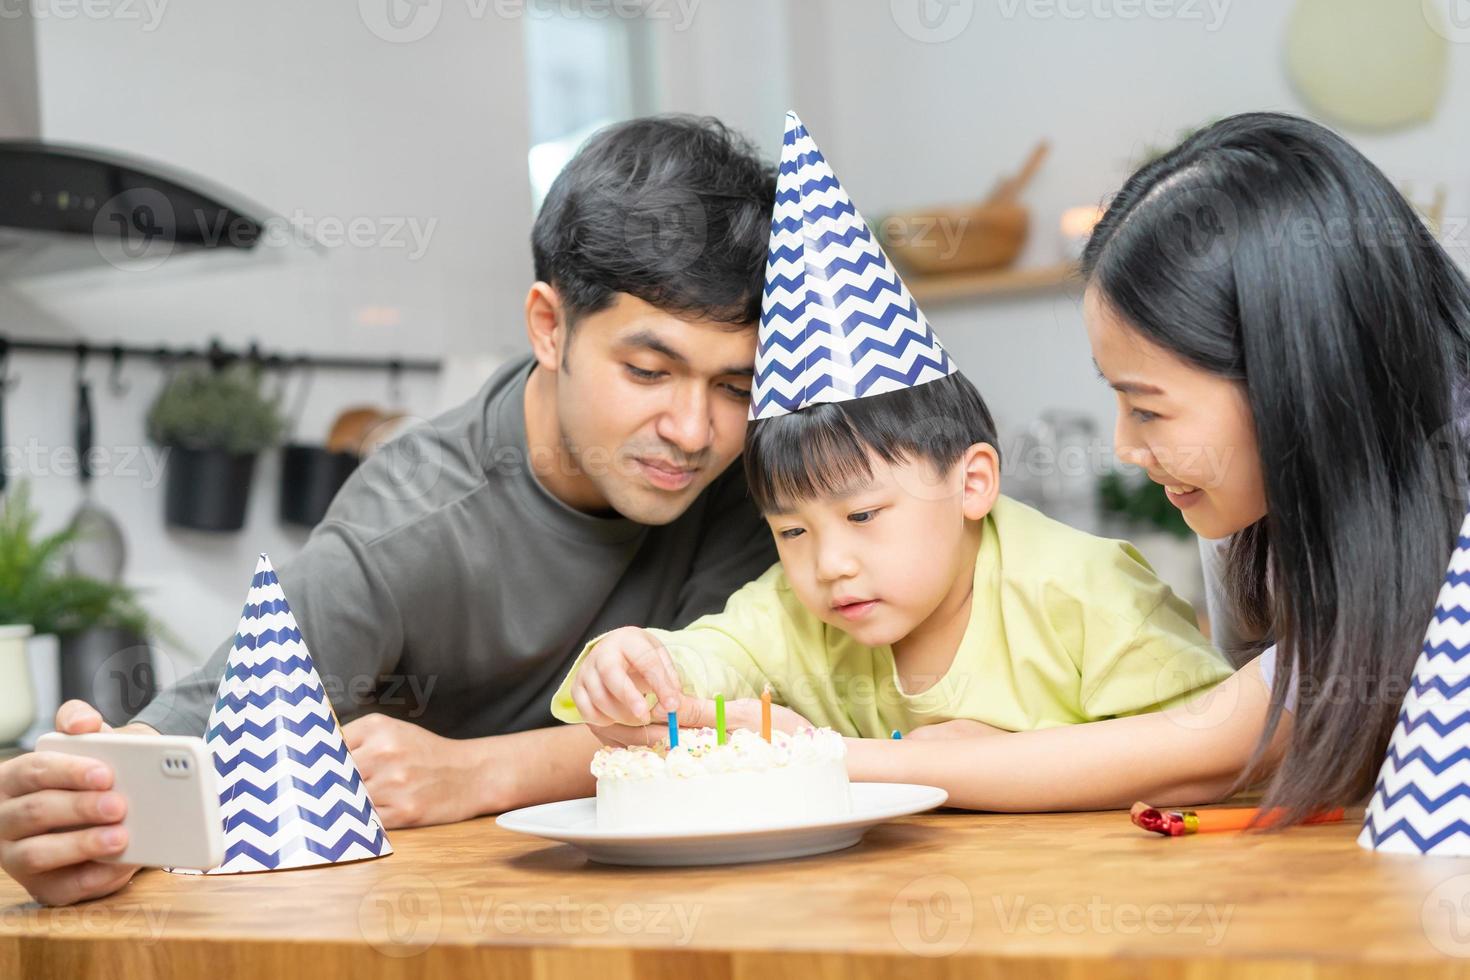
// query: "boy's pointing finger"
[[693, 712], [656, 667]]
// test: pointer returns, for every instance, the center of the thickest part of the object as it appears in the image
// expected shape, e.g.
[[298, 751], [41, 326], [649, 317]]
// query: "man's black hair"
[[674, 210], [824, 449]]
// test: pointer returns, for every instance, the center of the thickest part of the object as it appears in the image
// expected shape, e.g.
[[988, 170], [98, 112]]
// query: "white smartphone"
[[173, 818]]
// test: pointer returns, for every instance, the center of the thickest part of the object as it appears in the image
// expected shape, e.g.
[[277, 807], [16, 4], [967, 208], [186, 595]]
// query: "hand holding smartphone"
[[173, 817]]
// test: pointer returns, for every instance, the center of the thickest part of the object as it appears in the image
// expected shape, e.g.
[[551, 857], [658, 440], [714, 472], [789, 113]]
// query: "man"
[[461, 569]]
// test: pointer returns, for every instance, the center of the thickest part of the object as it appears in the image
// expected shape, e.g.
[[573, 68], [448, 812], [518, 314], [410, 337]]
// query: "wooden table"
[[941, 895]]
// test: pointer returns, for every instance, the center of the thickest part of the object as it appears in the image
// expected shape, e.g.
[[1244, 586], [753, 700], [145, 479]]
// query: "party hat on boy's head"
[[837, 322], [290, 794], [1421, 803]]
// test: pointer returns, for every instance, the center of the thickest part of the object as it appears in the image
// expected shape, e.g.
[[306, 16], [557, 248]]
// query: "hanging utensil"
[[6, 385], [98, 551], [116, 386], [395, 387]]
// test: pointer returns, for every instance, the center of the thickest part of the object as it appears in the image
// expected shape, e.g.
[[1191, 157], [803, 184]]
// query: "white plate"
[[575, 822]]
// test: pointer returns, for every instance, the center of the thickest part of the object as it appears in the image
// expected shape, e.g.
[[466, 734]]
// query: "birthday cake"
[[702, 785]]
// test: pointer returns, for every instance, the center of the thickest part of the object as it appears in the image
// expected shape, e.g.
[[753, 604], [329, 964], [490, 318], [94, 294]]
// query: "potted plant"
[[60, 616], [18, 707], [1137, 508], [214, 422]]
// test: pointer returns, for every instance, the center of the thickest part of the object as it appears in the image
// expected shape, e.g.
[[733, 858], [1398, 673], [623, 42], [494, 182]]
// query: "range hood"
[[65, 207]]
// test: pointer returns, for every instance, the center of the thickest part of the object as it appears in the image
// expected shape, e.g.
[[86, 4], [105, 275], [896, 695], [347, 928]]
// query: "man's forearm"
[[538, 766]]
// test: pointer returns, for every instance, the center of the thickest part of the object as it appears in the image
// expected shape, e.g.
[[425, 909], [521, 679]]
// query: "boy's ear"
[[980, 470], [545, 326]]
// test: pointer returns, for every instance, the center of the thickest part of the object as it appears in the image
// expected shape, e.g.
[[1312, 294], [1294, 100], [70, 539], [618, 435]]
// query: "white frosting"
[[745, 783], [699, 753]]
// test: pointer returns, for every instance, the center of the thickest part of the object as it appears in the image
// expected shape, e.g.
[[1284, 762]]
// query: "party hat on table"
[[1421, 803], [837, 322], [290, 794]]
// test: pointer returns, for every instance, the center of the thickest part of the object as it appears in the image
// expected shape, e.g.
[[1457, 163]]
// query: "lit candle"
[[673, 729], [719, 719], [766, 713]]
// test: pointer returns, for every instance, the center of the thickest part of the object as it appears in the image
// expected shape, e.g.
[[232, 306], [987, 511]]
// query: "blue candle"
[[673, 729]]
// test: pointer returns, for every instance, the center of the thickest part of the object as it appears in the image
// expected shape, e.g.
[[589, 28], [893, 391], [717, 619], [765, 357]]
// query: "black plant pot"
[[310, 478], [208, 489], [110, 668]]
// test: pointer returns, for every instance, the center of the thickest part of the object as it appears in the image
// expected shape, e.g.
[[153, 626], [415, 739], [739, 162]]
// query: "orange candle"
[[766, 713]]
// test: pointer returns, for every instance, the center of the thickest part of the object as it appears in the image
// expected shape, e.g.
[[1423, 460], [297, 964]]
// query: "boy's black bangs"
[[816, 452], [824, 450]]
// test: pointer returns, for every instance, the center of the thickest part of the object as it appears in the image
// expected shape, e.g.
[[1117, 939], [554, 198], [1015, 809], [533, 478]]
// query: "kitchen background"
[[406, 143]]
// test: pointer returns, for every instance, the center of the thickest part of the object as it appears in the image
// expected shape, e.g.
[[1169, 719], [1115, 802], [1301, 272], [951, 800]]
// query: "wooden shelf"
[[933, 290]]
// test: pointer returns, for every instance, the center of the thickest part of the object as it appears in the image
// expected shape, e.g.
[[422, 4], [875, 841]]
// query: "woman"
[[1289, 346]]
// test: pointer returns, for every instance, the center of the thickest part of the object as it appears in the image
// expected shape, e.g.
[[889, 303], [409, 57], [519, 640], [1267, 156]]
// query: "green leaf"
[[1139, 500], [37, 589]]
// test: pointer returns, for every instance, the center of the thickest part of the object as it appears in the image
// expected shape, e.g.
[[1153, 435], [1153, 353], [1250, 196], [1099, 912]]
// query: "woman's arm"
[[1188, 754]]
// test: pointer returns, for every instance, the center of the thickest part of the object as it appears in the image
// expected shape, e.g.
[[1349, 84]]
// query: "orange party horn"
[[1181, 823]]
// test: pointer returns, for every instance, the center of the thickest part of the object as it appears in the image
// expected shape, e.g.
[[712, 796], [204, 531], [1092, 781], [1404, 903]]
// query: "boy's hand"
[[623, 667], [624, 736], [958, 728], [740, 713], [700, 713]]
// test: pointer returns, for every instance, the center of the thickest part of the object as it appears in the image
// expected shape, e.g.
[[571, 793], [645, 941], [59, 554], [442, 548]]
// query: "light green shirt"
[[1065, 627]]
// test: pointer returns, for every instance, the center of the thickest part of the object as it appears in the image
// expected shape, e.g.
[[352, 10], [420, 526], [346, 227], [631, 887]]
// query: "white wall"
[[729, 60], [907, 123], [20, 116], [303, 108]]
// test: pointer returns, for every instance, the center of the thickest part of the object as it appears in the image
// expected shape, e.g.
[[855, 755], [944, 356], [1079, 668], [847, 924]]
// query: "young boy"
[[909, 593]]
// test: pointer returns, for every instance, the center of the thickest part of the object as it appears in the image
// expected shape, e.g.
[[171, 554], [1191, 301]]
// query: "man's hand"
[[615, 677], [58, 818], [417, 778], [958, 728]]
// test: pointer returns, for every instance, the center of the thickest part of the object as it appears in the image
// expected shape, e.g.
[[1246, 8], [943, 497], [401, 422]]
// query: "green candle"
[[720, 719]]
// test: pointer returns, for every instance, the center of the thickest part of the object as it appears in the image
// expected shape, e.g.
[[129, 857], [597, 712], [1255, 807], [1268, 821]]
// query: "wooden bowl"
[[362, 429], [944, 241]]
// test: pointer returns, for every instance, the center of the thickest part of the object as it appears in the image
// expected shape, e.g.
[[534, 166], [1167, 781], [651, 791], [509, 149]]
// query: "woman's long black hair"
[[1266, 250]]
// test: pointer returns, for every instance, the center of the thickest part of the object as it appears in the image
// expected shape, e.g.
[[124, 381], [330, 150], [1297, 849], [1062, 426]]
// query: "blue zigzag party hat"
[[1421, 803], [837, 322], [290, 794]]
